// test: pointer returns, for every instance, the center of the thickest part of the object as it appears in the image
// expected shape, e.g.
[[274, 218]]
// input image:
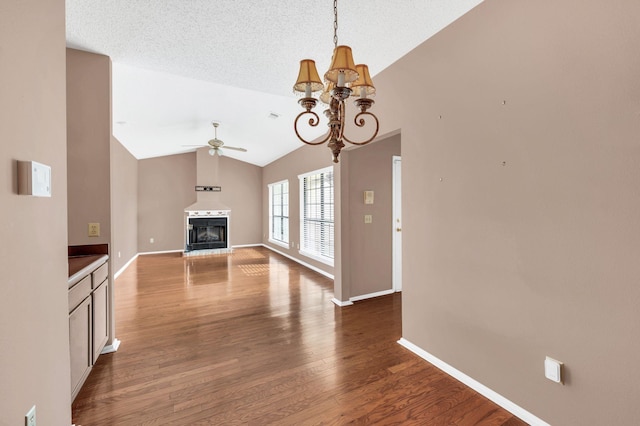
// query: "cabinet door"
[[100, 318], [80, 345]]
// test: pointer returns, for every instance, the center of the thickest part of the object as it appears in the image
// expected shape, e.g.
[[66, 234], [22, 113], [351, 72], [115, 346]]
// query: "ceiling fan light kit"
[[215, 145], [342, 80]]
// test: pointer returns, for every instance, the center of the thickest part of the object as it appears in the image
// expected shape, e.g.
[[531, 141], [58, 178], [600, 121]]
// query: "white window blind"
[[279, 212], [317, 225]]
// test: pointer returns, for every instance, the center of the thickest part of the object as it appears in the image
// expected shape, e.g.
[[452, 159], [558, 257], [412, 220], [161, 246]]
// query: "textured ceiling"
[[179, 65]]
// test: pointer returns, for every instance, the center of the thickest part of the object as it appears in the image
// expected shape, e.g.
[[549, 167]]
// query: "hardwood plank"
[[253, 338]]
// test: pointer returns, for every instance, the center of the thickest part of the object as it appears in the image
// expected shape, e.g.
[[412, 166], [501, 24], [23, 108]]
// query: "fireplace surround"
[[206, 231]]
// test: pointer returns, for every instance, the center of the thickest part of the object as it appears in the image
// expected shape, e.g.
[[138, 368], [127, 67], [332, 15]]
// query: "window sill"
[[279, 243], [314, 256]]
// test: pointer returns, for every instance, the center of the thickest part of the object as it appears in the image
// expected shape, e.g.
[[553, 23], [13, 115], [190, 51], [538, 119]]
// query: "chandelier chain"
[[335, 23]]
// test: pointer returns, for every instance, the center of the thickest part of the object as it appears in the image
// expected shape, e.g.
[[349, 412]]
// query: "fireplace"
[[207, 233], [207, 230]]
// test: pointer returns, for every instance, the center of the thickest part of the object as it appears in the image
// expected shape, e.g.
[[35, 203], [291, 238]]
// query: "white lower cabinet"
[[80, 344], [88, 324]]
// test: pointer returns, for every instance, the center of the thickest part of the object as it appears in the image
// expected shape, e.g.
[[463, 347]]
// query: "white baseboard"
[[247, 245], [126, 265], [341, 303], [474, 384], [371, 295], [306, 265], [160, 252], [111, 348]]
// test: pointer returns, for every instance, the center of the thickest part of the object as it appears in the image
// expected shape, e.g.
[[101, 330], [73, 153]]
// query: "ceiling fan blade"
[[235, 148]]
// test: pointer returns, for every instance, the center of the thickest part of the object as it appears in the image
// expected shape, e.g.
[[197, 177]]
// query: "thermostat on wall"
[[34, 179]]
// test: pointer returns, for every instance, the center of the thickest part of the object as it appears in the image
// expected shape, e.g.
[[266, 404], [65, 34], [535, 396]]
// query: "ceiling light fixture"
[[343, 79]]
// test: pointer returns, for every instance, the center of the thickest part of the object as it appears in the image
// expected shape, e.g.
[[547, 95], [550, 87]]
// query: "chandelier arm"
[[313, 122], [360, 123]]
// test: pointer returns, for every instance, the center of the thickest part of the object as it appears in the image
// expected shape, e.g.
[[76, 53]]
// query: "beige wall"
[[521, 219], [370, 169], [367, 167], [304, 159], [124, 205], [165, 188], [166, 185], [88, 145], [34, 327], [241, 192]]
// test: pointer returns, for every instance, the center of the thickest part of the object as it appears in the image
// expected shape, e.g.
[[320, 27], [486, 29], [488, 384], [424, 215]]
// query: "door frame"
[[396, 224]]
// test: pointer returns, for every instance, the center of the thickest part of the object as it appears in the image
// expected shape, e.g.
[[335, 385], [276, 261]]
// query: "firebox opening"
[[207, 233]]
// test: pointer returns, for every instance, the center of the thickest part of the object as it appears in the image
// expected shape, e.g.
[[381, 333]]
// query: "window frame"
[[271, 187], [304, 250]]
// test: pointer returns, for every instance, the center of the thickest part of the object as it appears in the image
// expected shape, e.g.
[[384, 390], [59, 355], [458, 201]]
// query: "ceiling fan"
[[216, 144]]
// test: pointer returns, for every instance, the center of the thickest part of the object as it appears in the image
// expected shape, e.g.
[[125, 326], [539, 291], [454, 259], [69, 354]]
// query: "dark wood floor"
[[253, 338]]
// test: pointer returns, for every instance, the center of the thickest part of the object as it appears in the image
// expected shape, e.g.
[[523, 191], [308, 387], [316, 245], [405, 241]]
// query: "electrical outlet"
[[151, 240], [119, 255], [30, 417], [94, 229], [368, 218]]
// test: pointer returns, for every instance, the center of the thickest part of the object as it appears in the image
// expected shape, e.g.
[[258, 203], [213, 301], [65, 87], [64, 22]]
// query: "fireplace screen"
[[207, 233]]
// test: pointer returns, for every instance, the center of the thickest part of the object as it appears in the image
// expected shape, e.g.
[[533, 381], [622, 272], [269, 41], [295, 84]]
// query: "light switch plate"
[[368, 197], [553, 370]]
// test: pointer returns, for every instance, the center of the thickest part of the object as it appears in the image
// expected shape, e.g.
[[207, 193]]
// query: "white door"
[[397, 224]]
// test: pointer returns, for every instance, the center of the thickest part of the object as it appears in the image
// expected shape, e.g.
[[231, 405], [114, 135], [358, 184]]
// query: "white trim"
[[126, 265], [322, 259], [341, 303], [160, 252], [514, 409], [270, 188], [371, 295], [396, 222], [247, 245], [279, 243], [278, 182], [301, 188], [315, 172], [306, 265], [111, 348]]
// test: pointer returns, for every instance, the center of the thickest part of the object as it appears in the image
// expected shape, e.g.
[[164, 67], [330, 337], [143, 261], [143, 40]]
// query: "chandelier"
[[342, 80]]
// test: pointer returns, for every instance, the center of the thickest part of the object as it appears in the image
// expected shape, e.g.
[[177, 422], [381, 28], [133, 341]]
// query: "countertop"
[[81, 266]]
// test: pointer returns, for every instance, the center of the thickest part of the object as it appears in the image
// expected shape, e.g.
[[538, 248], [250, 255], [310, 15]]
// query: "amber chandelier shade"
[[308, 77], [341, 63], [363, 86]]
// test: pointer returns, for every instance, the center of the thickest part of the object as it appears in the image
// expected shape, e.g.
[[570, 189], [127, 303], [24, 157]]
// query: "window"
[[316, 206], [279, 213]]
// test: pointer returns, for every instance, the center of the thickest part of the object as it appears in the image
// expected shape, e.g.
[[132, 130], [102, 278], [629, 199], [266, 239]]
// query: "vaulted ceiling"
[[179, 65]]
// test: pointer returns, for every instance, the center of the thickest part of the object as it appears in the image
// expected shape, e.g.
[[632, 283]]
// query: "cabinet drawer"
[[100, 274], [79, 292]]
